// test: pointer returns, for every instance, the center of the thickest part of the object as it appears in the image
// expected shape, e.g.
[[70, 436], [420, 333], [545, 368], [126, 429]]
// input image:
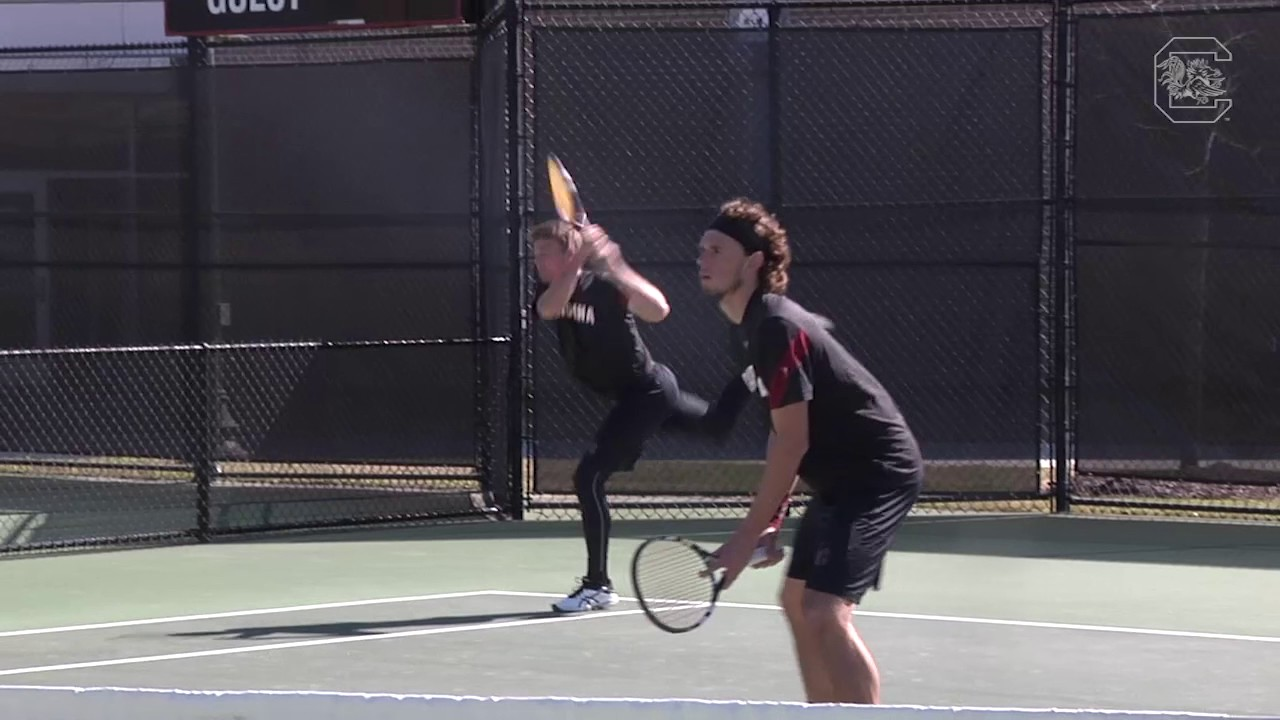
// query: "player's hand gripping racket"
[[676, 584], [564, 192]]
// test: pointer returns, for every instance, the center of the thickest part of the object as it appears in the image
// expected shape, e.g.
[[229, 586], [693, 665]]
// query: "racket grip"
[[760, 555], [780, 515], [764, 549]]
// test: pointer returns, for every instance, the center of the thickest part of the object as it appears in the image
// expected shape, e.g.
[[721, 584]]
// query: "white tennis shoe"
[[586, 599]]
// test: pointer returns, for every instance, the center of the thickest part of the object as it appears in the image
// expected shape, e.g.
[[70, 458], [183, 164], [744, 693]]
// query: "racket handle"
[[760, 555], [781, 515]]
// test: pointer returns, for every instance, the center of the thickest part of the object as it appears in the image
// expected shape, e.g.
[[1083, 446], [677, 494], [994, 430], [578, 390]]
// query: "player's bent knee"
[[598, 465], [586, 466], [792, 600], [588, 472], [825, 611]]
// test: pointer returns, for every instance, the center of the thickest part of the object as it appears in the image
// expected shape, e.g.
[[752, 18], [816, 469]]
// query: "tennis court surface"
[[1036, 613]]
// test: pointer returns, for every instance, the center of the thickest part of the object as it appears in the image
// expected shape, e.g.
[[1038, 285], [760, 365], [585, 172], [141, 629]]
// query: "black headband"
[[740, 229]]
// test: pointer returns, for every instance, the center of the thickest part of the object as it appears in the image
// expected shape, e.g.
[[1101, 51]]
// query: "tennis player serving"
[[836, 427], [593, 296]]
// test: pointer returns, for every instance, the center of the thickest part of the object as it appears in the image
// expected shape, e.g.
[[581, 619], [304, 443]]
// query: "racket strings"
[[674, 582]]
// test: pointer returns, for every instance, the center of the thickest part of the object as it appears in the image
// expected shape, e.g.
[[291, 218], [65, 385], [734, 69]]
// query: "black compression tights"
[[634, 420], [588, 481]]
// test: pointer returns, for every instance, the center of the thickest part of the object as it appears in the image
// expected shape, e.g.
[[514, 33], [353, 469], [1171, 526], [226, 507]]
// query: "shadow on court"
[[356, 628], [1013, 536]]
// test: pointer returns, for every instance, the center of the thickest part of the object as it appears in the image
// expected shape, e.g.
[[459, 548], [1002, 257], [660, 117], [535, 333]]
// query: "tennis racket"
[[675, 583], [564, 191]]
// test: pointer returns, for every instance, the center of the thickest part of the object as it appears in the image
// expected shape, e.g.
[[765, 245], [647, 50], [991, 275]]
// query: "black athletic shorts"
[[840, 546], [638, 413]]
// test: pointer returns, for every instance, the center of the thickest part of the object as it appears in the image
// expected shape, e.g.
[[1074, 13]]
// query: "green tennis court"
[[1001, 611]]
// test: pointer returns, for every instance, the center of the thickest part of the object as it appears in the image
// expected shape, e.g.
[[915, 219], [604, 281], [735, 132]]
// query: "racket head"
[[675, 583], [564, 192]]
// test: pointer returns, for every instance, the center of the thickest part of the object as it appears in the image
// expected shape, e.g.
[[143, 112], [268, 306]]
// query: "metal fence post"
[[1061, 232], [517, 383], [200, 406]]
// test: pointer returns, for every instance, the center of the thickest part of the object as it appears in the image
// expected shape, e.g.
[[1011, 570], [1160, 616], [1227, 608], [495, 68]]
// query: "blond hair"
[[558, 231]]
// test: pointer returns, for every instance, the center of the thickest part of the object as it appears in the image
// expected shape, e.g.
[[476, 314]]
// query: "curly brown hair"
[[777, 251]]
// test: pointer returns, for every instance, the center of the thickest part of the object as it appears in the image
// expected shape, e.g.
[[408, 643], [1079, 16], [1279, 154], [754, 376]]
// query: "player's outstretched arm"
[[788, 446], [786, 369], [644, 299], [723, 413]]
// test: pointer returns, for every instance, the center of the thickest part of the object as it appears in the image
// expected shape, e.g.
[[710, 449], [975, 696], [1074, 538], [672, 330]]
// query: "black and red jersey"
[[857, 434]]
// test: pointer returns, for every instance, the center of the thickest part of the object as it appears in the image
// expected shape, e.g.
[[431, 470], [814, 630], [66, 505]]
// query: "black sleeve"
[[723, 412], [783, 357]]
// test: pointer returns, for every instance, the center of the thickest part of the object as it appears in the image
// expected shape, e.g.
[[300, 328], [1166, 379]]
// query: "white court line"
[[317, 643], [929, 520], [241, 613], [673, 704], [978, 621], [913, 520], [715, 533]]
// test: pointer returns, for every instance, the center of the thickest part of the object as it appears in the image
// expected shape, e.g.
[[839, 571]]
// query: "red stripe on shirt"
[[797, 353]]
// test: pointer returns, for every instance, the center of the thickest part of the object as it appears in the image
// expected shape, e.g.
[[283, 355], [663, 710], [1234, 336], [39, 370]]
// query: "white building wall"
[[95, 22]]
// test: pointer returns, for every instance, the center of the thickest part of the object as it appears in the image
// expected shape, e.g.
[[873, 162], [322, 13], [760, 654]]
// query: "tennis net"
[[67, 703]]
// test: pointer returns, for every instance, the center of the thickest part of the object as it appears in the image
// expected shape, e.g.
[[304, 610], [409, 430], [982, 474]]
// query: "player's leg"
[[845, 658], [619, 443], [805, 641], [595, 592], [685, 410], [848, 558], [691, 413], [826, 604], [596, 589]]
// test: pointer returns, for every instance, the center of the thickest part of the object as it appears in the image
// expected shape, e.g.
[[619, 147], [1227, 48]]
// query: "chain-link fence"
[[960, 180], [1177, 171], [283, 281], [130, 444], [244, 288], [914, 201]]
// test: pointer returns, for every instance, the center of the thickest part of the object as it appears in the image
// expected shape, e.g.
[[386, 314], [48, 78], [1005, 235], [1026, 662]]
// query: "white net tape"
[[71, 703]]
